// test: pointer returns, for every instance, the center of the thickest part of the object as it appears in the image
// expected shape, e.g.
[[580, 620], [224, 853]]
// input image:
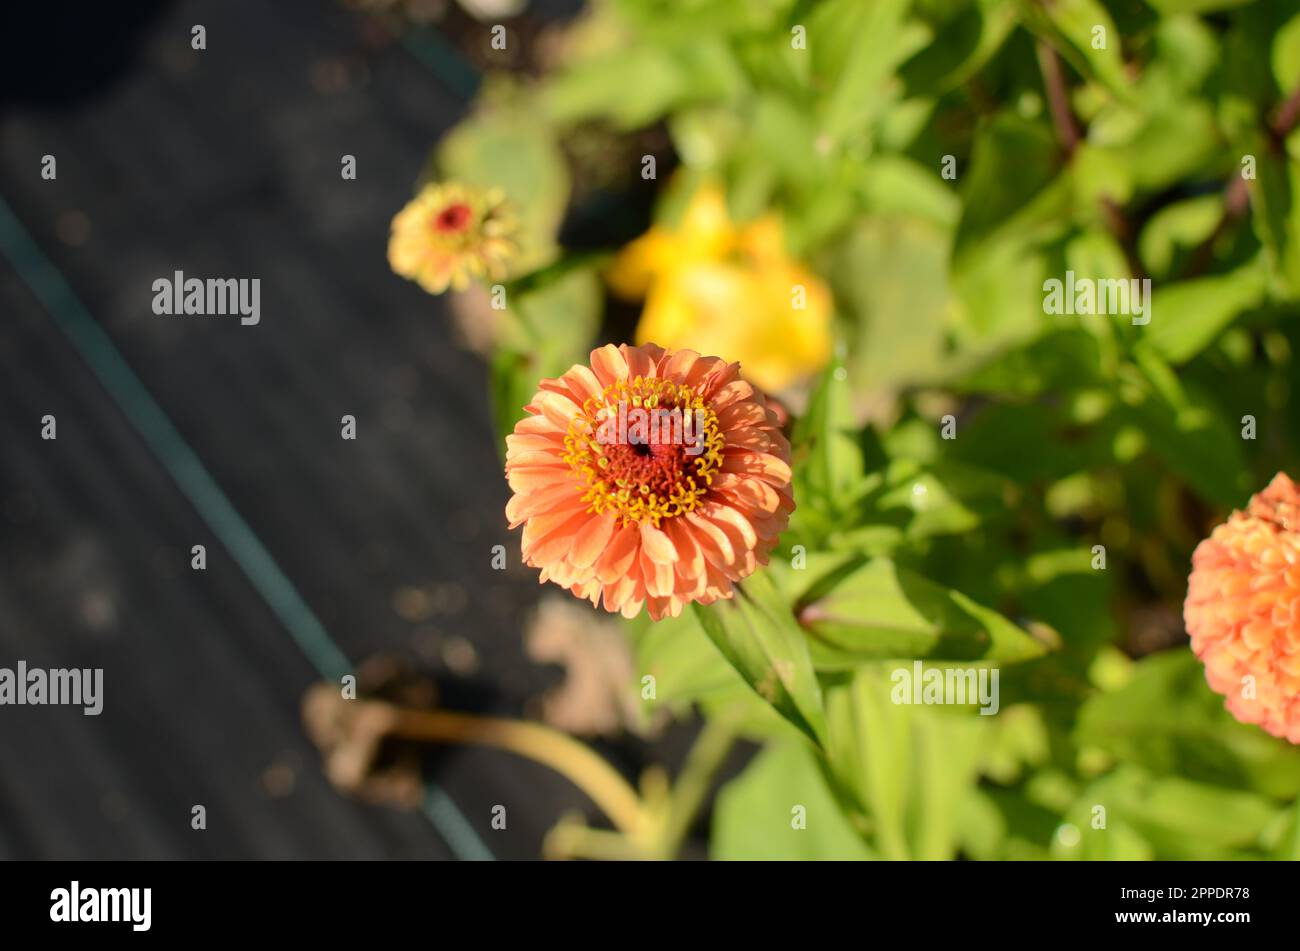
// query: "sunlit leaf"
[[757, 633], [881, 610]]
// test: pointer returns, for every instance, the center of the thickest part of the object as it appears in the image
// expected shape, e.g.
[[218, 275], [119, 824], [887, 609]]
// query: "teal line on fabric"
[[452, 825], [187, 470]]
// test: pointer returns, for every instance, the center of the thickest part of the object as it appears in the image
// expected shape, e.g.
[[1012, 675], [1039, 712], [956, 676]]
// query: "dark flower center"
[[453, 218]]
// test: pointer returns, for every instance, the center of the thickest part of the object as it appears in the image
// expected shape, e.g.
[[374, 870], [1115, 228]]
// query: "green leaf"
[[995, 439], [556, 313], [1117, 842], [1175, 139], [825, 439], [1248, 72], [1288, 847], [1187, 50], [963, 44], [981, 829], [1015, 161], [909, 767], [1017, 742], [896, 185], [758, 635], [689, 669], [1167, 720], [891, 275], [639, 83], [1286, 55], [855, 46], [550, 325], [756, 813], [1178, 7], [1063, 590], [1059, 361], [682, 659], [1176, 229], [783, 134], [1073, 24], [512, 381], [1029, 825], [1276, 203], [999, 297], [911, 501], [1179, 818], [881, 610], [1187, 317], [1185, 429]]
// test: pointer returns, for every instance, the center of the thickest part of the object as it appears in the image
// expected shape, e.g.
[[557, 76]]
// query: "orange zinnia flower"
[[650, 477], [1243, 610]]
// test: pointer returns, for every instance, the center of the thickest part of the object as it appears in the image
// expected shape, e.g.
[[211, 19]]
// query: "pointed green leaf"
[[758, 635], [881, 610]]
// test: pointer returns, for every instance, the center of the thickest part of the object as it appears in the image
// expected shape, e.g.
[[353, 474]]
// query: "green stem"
[[706, 757]]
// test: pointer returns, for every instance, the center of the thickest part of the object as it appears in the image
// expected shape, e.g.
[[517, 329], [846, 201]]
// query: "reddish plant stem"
[[1058, 100], [1287, 116], [1236, 194]]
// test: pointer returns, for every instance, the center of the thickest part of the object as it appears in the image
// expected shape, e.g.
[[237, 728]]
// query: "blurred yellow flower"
[[714, 287], [450, 233]]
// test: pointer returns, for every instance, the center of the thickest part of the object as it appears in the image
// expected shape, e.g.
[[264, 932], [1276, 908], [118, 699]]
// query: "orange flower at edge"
[[663, 522], [1243, 610]]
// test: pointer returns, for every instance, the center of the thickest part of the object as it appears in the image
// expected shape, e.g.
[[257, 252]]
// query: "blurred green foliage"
[[1125, 159]]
